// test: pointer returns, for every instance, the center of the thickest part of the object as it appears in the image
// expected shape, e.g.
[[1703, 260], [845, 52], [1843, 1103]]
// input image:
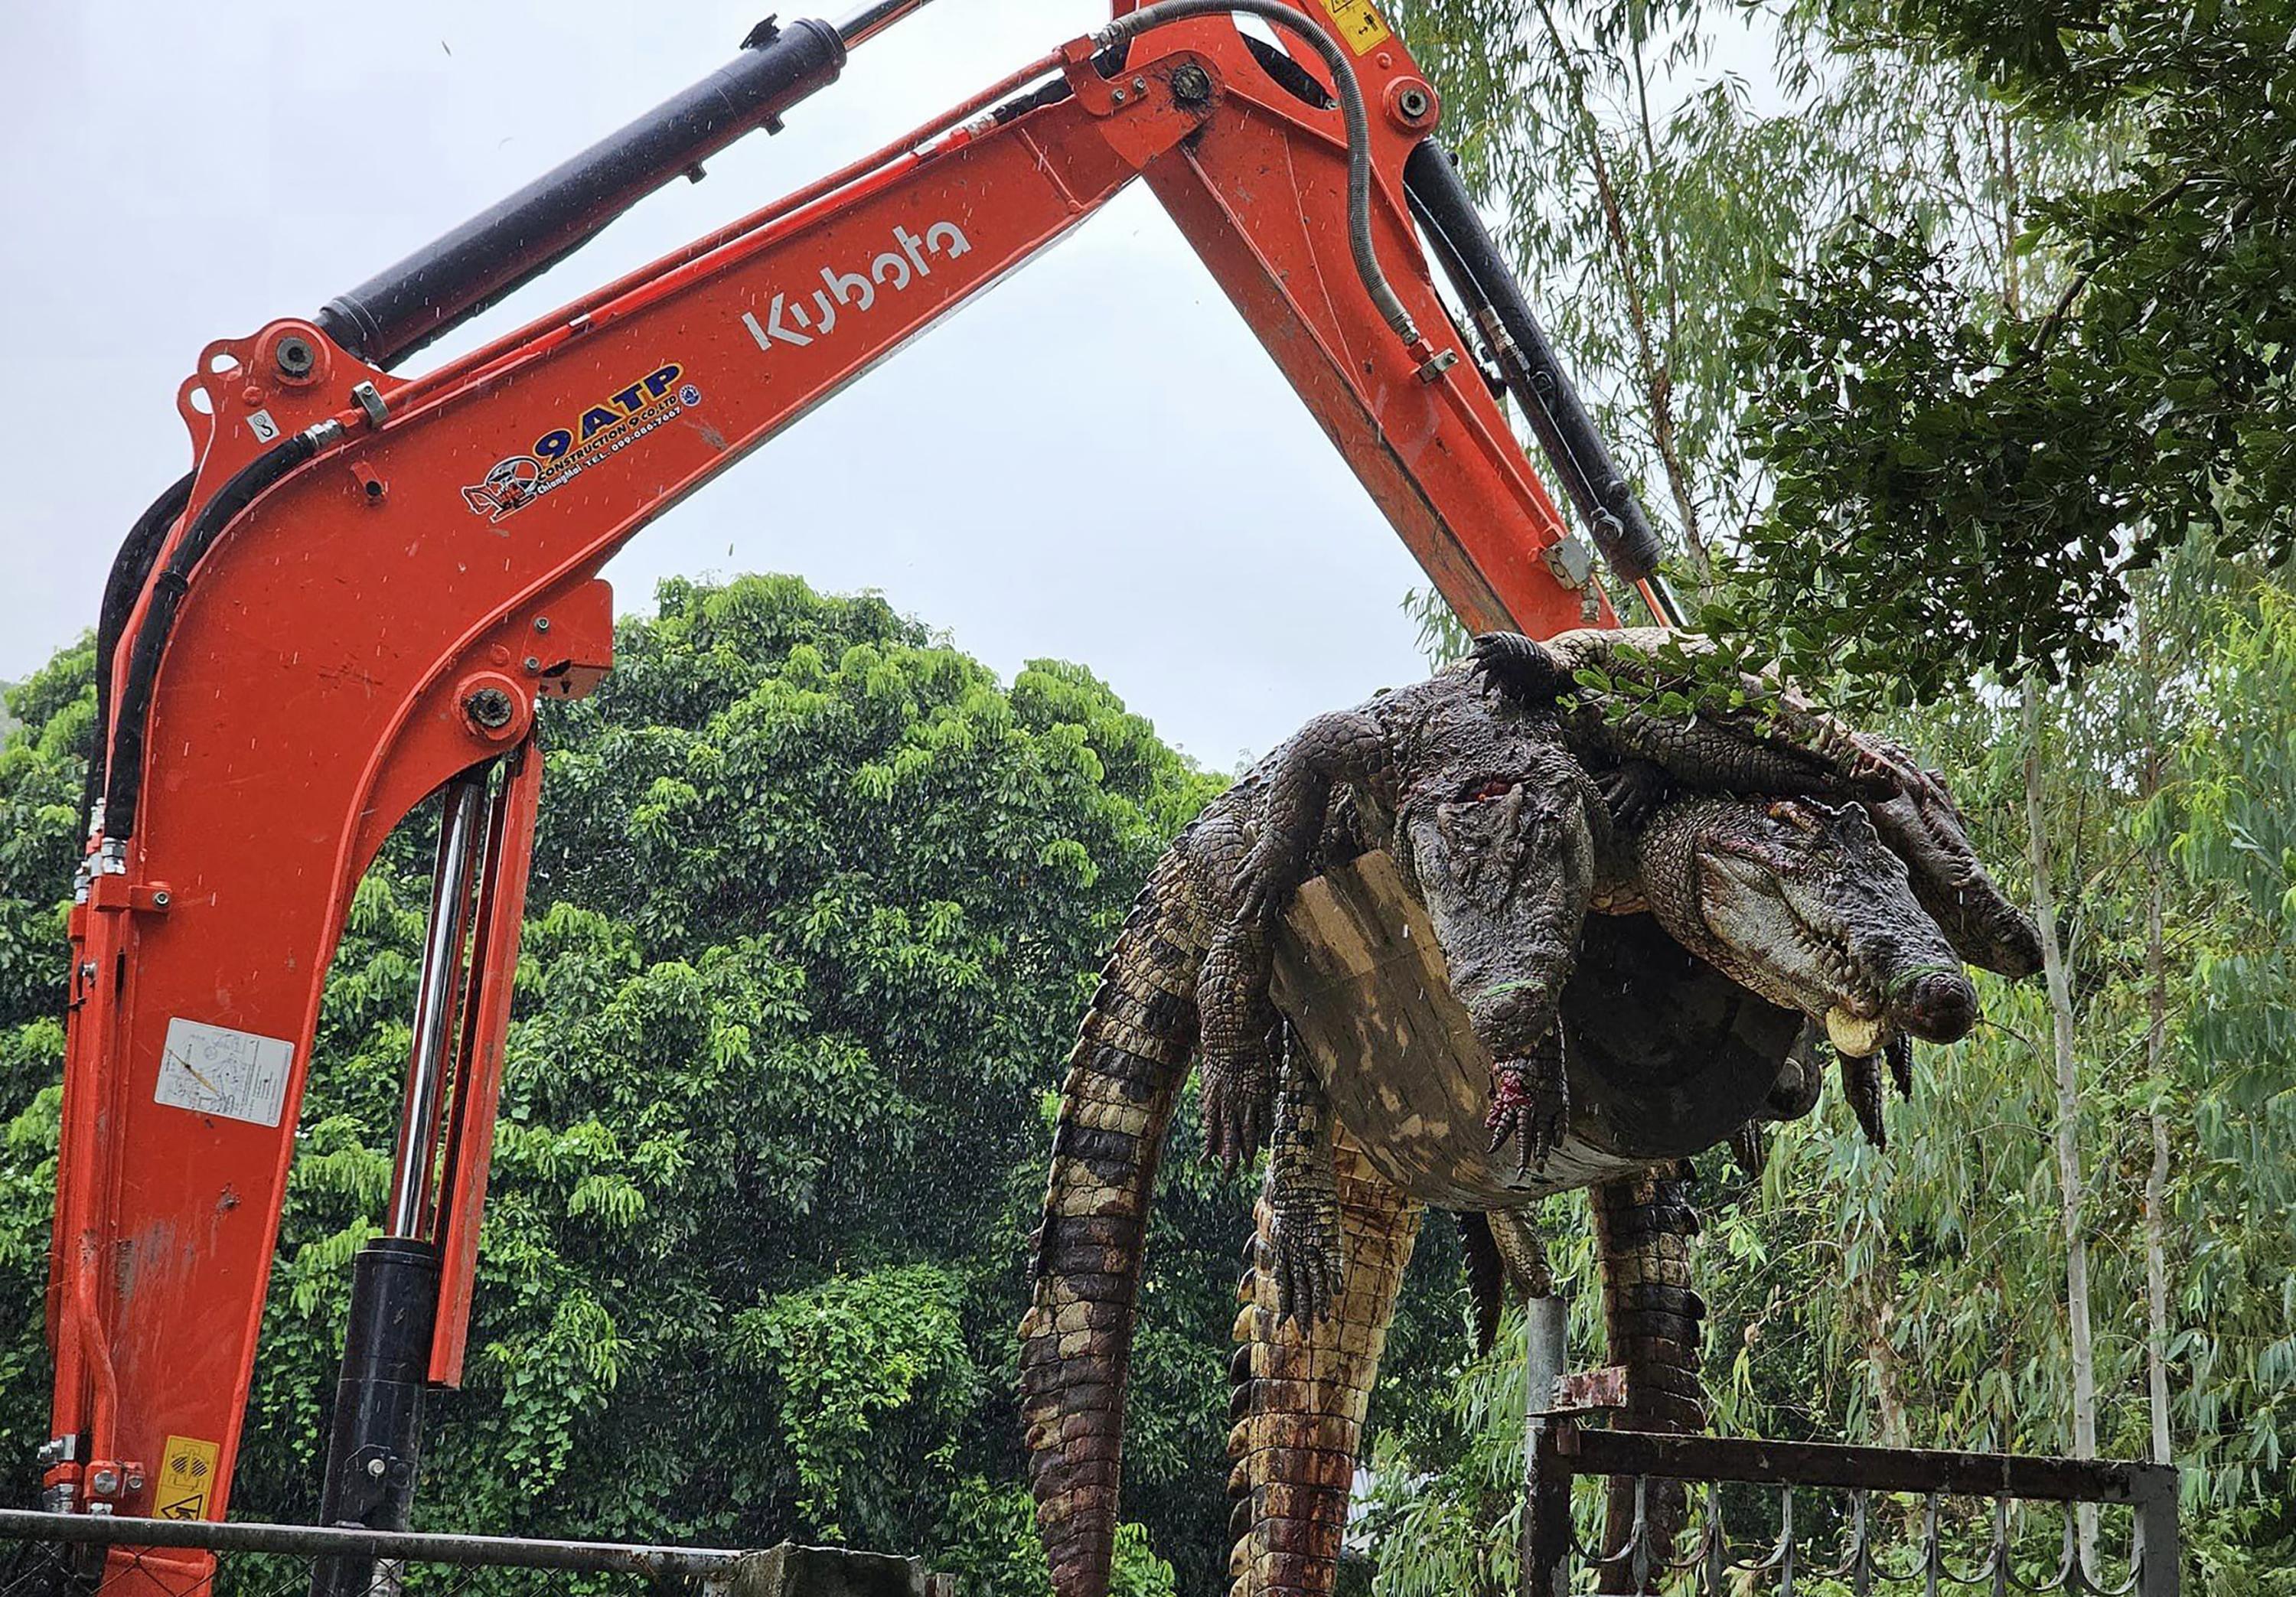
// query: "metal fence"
[[82, 1555], [1869, 1520]]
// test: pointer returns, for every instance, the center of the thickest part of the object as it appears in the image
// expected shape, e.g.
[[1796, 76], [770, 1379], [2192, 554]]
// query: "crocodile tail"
[[1123, 1082], [1297, 1394], [1644, 1227]]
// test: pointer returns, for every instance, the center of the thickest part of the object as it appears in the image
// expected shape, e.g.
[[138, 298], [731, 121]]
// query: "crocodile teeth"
[[1851, 1036]]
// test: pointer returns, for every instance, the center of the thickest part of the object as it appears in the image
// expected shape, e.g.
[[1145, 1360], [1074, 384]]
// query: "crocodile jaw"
[[1854, 1037]]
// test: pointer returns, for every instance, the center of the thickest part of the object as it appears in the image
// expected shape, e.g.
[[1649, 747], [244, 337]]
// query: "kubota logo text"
[[801, 320], [564, 452]]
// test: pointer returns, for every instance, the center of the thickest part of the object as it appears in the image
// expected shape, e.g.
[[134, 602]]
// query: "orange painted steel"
[[320, 679]]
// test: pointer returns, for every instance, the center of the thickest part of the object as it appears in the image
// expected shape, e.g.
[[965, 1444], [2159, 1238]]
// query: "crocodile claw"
[[1861, 1084], [1631, 791], [1307, 1267], [1264, 885], [1531, 1102], [1519, 667], [1237, 1108], [1749, 1149]]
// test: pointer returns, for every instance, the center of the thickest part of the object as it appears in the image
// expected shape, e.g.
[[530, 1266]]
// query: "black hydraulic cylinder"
[[1471, 259], [453, 278], [374, 1446]]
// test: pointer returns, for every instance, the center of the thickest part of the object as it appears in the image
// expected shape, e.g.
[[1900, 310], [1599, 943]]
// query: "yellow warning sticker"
[[187, 1473], [1358, 23]]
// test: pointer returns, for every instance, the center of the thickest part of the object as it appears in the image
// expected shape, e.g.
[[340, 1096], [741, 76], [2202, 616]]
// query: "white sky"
[[1094, 463]]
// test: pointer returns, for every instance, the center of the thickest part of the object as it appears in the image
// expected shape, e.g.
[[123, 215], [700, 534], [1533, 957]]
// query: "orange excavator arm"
[[357, 599]]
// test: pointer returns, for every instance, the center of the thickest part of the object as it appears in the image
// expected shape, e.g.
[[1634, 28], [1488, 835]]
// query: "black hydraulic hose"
[[131, 568], [1471, 259], [124, 775], [1357, 121]]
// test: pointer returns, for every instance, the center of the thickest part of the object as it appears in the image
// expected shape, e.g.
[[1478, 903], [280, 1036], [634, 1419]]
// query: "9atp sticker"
[[187, 1474]]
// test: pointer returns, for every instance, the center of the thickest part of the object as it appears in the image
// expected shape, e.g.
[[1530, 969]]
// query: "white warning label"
[[215, 1070]]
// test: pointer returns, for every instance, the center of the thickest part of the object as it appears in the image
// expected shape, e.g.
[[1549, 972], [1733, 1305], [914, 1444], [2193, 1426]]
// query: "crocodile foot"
[[1531, 1102], [1520, 668], [1308, 1263], [1750, 1149], [1631, 791], [1239, 1096]]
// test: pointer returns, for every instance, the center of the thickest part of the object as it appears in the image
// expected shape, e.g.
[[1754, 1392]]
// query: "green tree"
[[1966, 475], [816, 902]]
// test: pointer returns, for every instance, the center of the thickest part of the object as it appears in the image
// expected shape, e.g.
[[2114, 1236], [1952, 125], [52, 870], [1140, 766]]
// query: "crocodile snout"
[[1940, 1007]]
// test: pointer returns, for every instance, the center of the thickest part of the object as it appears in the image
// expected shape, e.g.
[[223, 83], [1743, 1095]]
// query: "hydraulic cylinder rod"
[[867, 21], [461, 823], [1605, 501], [374, 1444]]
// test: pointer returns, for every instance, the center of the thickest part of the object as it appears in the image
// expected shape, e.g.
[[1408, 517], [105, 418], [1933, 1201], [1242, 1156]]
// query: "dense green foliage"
[[1993, 455], [817, 903], [1971, 338]]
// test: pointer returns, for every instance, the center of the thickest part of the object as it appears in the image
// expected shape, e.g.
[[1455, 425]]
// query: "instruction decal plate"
[[215, 1070], [1358, 23], [187, 1473]]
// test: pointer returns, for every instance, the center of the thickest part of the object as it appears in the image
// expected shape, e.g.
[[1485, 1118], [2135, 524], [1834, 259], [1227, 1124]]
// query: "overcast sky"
[[1095, 461]]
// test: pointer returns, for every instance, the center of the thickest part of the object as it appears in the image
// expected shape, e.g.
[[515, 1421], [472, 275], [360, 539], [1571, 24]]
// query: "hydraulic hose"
[[1478, 269], [1357, 119], [124, 773], [131, 568]]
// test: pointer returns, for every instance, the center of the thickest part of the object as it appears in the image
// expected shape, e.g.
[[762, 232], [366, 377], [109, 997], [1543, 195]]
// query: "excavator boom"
[[359, 596]]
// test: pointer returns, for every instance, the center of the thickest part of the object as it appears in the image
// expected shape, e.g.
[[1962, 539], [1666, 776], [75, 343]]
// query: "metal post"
[[1545, 1352], [1546, 1513], [2159, 1550], [375, 1441]]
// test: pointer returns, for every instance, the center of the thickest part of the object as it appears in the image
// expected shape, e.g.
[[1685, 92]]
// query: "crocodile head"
[[1803, 903]]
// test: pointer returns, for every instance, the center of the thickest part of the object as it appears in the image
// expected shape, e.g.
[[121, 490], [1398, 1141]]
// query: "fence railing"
[[86, 1555], [1958, 1520]]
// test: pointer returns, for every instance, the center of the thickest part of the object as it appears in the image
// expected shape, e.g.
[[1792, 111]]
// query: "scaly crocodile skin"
[[1452, 762], [1299, 1391], [1116, 1104], [1651, 1316]]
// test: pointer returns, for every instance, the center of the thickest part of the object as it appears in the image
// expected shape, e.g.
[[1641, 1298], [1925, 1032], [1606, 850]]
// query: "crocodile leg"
[[1303, 1194], [1505, 1257], [1075, 1341], [1341, 747], [1238, 1022], [1651, 1313], [1300, 1389]]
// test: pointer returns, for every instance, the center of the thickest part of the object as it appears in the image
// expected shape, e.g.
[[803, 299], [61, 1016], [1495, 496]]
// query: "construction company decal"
[[790, 321], [187, 1479], [562, 454]]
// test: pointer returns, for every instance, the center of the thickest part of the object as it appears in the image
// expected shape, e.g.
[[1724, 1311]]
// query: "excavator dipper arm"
[[372, 579]]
